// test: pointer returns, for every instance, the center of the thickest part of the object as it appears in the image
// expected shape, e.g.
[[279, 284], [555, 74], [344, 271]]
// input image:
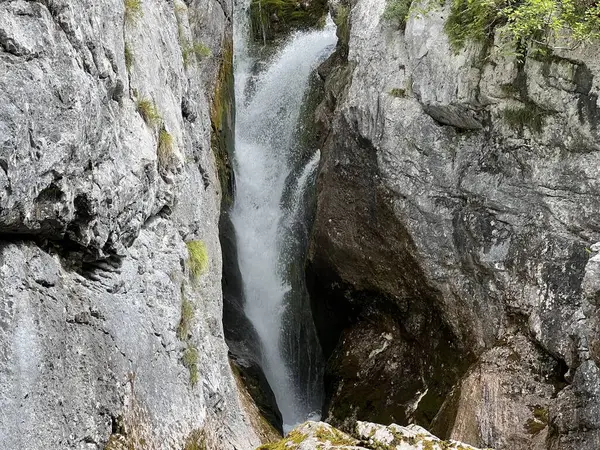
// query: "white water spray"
[[268, 106]]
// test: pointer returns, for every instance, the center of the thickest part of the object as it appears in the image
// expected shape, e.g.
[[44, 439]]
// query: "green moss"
[[190, 361], [198, 50], [529, 115], [128, 57], [398, 93], [165, 149], [529, 24], [342, 22], [335, 437], [198, 258], [133, 10], [540, 413], [471, 19], [196, 440], [397, 11], [116, 442], [147, 109], [221, 117], [293, 437], [271, 19], [185, 322], [538, 422]]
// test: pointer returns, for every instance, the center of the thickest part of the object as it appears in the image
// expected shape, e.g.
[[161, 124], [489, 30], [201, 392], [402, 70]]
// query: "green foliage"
[[526, 23], [272, 18], [190, 361], [148, 111], [198, 49], [196, 440], [529, 115], [128, 57], [398, 93], [471, 19], [165, 148], [198, 258], [293, 437], [342, 22], [133, 10], [185, 322], [397, 11]]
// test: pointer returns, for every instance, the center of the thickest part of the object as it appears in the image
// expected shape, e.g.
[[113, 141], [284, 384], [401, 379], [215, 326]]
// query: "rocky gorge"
[[452, 265]]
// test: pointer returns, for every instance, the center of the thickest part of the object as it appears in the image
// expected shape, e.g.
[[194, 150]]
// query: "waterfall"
[[274, 177]]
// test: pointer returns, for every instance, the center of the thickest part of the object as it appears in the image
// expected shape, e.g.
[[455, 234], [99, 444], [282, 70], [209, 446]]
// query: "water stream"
[[274, 176]]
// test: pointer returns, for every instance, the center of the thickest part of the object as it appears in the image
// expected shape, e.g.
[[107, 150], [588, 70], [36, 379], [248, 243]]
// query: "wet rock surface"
[[110, 328], [466, 231]]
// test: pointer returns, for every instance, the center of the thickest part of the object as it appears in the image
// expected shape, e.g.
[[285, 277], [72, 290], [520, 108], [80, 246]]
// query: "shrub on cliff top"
[[526, 22]]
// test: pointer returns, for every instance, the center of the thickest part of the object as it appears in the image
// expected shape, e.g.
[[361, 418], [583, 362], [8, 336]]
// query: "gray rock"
[[94, 269], [457, 200]]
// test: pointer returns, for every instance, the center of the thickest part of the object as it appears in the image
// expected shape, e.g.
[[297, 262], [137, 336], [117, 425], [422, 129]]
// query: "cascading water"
[[273, 176]]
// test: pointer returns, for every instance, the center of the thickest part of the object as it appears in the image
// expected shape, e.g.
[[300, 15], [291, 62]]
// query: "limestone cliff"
[[110, 265], [454, 257]]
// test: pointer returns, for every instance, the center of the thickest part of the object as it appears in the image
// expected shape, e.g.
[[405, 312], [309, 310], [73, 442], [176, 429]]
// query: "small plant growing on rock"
[[397, 11], [190, 361], [133, 10], [196, 440], [198, 49], [539, 421], [148, 111], [198, 258], [165, 148], [529, 115], [185, 323], [398, 93], [128, 57]]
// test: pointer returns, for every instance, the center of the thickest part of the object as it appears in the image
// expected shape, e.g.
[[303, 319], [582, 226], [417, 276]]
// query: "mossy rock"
[[273, 19], [198, 258]]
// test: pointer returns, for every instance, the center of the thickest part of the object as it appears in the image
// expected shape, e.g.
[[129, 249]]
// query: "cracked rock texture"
[[454, 265], [94, 217]]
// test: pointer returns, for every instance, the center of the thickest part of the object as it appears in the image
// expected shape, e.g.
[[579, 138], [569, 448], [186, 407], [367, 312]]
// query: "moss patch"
[[529, 115], [196, 440], [190, 361], [133, 10], [221, 117], [165, 150], [128, 57], [539, 421], [185, 322], [293, 437], [398, 93], [271, 19], [397, 11], [147, 109], [198, 258], [197, 50]]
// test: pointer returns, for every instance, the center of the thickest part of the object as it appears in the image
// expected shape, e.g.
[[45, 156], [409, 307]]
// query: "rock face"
[[366, 436], [455, 236], [110, 326]]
